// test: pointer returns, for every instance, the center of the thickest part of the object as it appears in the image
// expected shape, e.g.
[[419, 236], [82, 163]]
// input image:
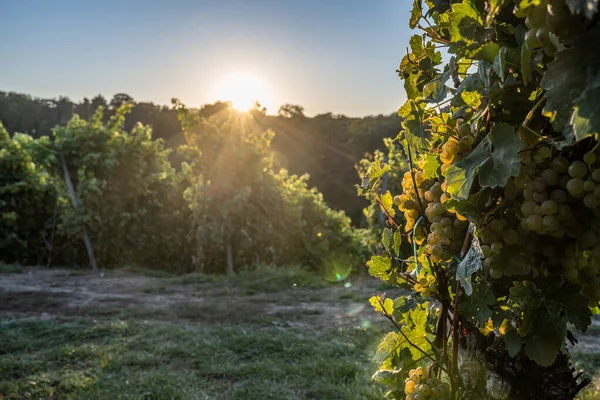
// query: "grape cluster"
[[542, 21], [426, 285], [551, 220], [418, 387]]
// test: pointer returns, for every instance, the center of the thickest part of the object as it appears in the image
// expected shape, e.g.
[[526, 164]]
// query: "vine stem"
[[454, 369], [391, 318]]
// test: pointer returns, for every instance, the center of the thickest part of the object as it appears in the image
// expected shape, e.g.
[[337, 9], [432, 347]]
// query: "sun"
[[243, 90]]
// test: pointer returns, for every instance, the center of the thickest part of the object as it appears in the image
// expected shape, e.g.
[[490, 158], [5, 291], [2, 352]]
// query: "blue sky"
[[326, 55]]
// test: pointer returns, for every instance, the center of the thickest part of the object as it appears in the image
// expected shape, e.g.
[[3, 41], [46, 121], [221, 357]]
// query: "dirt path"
[[40, 292]]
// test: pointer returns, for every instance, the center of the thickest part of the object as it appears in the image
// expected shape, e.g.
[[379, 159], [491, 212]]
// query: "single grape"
[[425, 390], [550, 177], [575, 187], [528, 194], [397, 200], [495, 273], [550, 223], [531, 39], [510, 236], [571, 274], [564, 212], [433, 287], [437, 250], [411, 214], [558, 196], [590, 201], [439, 209], [420, 371], [589, 158], [486, 250], [446, 222], [549, 207], [449, 232], [540, 197], [466, 142], [537, 210], [496, 247], [527, 207], [542, 34], [596, 175], [452, 147], [464, 130], [426, 292], [436, 226], [534, 222], [577, 169], [589, 186], [429, 196], [538, 185], [560, 164]]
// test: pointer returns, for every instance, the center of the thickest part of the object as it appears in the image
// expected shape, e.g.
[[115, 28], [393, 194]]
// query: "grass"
[[262, 279], [84, 359]]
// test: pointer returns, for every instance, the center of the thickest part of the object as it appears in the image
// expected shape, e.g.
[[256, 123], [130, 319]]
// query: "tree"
[[495, 229]]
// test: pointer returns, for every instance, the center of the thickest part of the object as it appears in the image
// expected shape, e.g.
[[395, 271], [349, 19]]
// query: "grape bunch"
[[543, 21], [550, 221], [426, 285], [418, 387]]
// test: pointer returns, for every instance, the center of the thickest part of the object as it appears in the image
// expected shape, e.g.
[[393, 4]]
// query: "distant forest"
[[326, 146]]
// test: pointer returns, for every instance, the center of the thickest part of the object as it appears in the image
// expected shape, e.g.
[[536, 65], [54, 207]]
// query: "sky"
[[336, 56]]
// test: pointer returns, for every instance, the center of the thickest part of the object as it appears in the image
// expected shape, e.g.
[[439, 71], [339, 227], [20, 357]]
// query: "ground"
[[266, 334]]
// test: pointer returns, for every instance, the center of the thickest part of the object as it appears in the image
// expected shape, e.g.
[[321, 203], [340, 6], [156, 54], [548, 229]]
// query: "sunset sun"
[[243, 90]]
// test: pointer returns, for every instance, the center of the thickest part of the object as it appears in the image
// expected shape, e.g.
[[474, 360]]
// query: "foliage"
[[140, 211], [498, 213]]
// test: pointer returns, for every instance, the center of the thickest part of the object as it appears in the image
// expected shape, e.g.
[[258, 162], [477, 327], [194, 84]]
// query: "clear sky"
[[335, 56]]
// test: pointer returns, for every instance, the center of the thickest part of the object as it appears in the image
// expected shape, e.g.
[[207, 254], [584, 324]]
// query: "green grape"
[[534, 222], [559, 196], [528, 194], [544, 152], [452, 147], [397, 200], [510, 236], [411, 205], [495, 273], [537, 210], [497, 226], [590, 201], [564, 212], [496, 247], [429, 196], [540, 197], [549, 207], [436, 226], [411, 214], [446, 222], [425, 390], [439, 209], [464, 130], [550, 177], [437, 250], [588, 186], [436, 189], [596, 175], [527, 207], [531, 39], [486, 250], [550, 223], [575, 186], [589, 158], [433, 287], [538, 185], [449, 232], [560, 164], [571, 274], [577, 169], [466, 142]]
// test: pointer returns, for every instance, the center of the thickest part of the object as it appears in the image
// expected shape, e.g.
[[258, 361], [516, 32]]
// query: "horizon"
[[337, 57]]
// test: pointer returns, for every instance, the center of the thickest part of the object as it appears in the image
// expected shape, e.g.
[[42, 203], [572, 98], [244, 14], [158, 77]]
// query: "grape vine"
[[496, 229]]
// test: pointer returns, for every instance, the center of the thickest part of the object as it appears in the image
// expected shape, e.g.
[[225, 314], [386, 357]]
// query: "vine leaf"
[[385, 348], [526, 64], [380, 305], [386, 238], [477, 306], [396, 242], [412, 112], [380, 267], [543, 306], [431, 166], [513, 343], [500, 64], [416, 13], [587, 7], [586, 118], [387, 205], [469, 265], [565, 80], [495, 160]]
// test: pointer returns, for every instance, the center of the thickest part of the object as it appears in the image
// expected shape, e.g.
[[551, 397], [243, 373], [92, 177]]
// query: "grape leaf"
[[415, 15], [526, 64], [435, 90], [500, 63], [431, 166], [386, 238], [415, 134], [477, 305], [380, 267], [417, 330], [469, 265], [545, 339], [565, 81], [586, 118], [495, 160], [385, 347], [381, 305], [404, 304], [587, 7], [513, 342], [387, 205], [396, 242], [471, 99], [464, 20], [375, 172]]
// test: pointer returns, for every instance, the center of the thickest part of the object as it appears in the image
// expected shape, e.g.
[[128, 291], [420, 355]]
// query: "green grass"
[[133, 360], [260, 279]]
